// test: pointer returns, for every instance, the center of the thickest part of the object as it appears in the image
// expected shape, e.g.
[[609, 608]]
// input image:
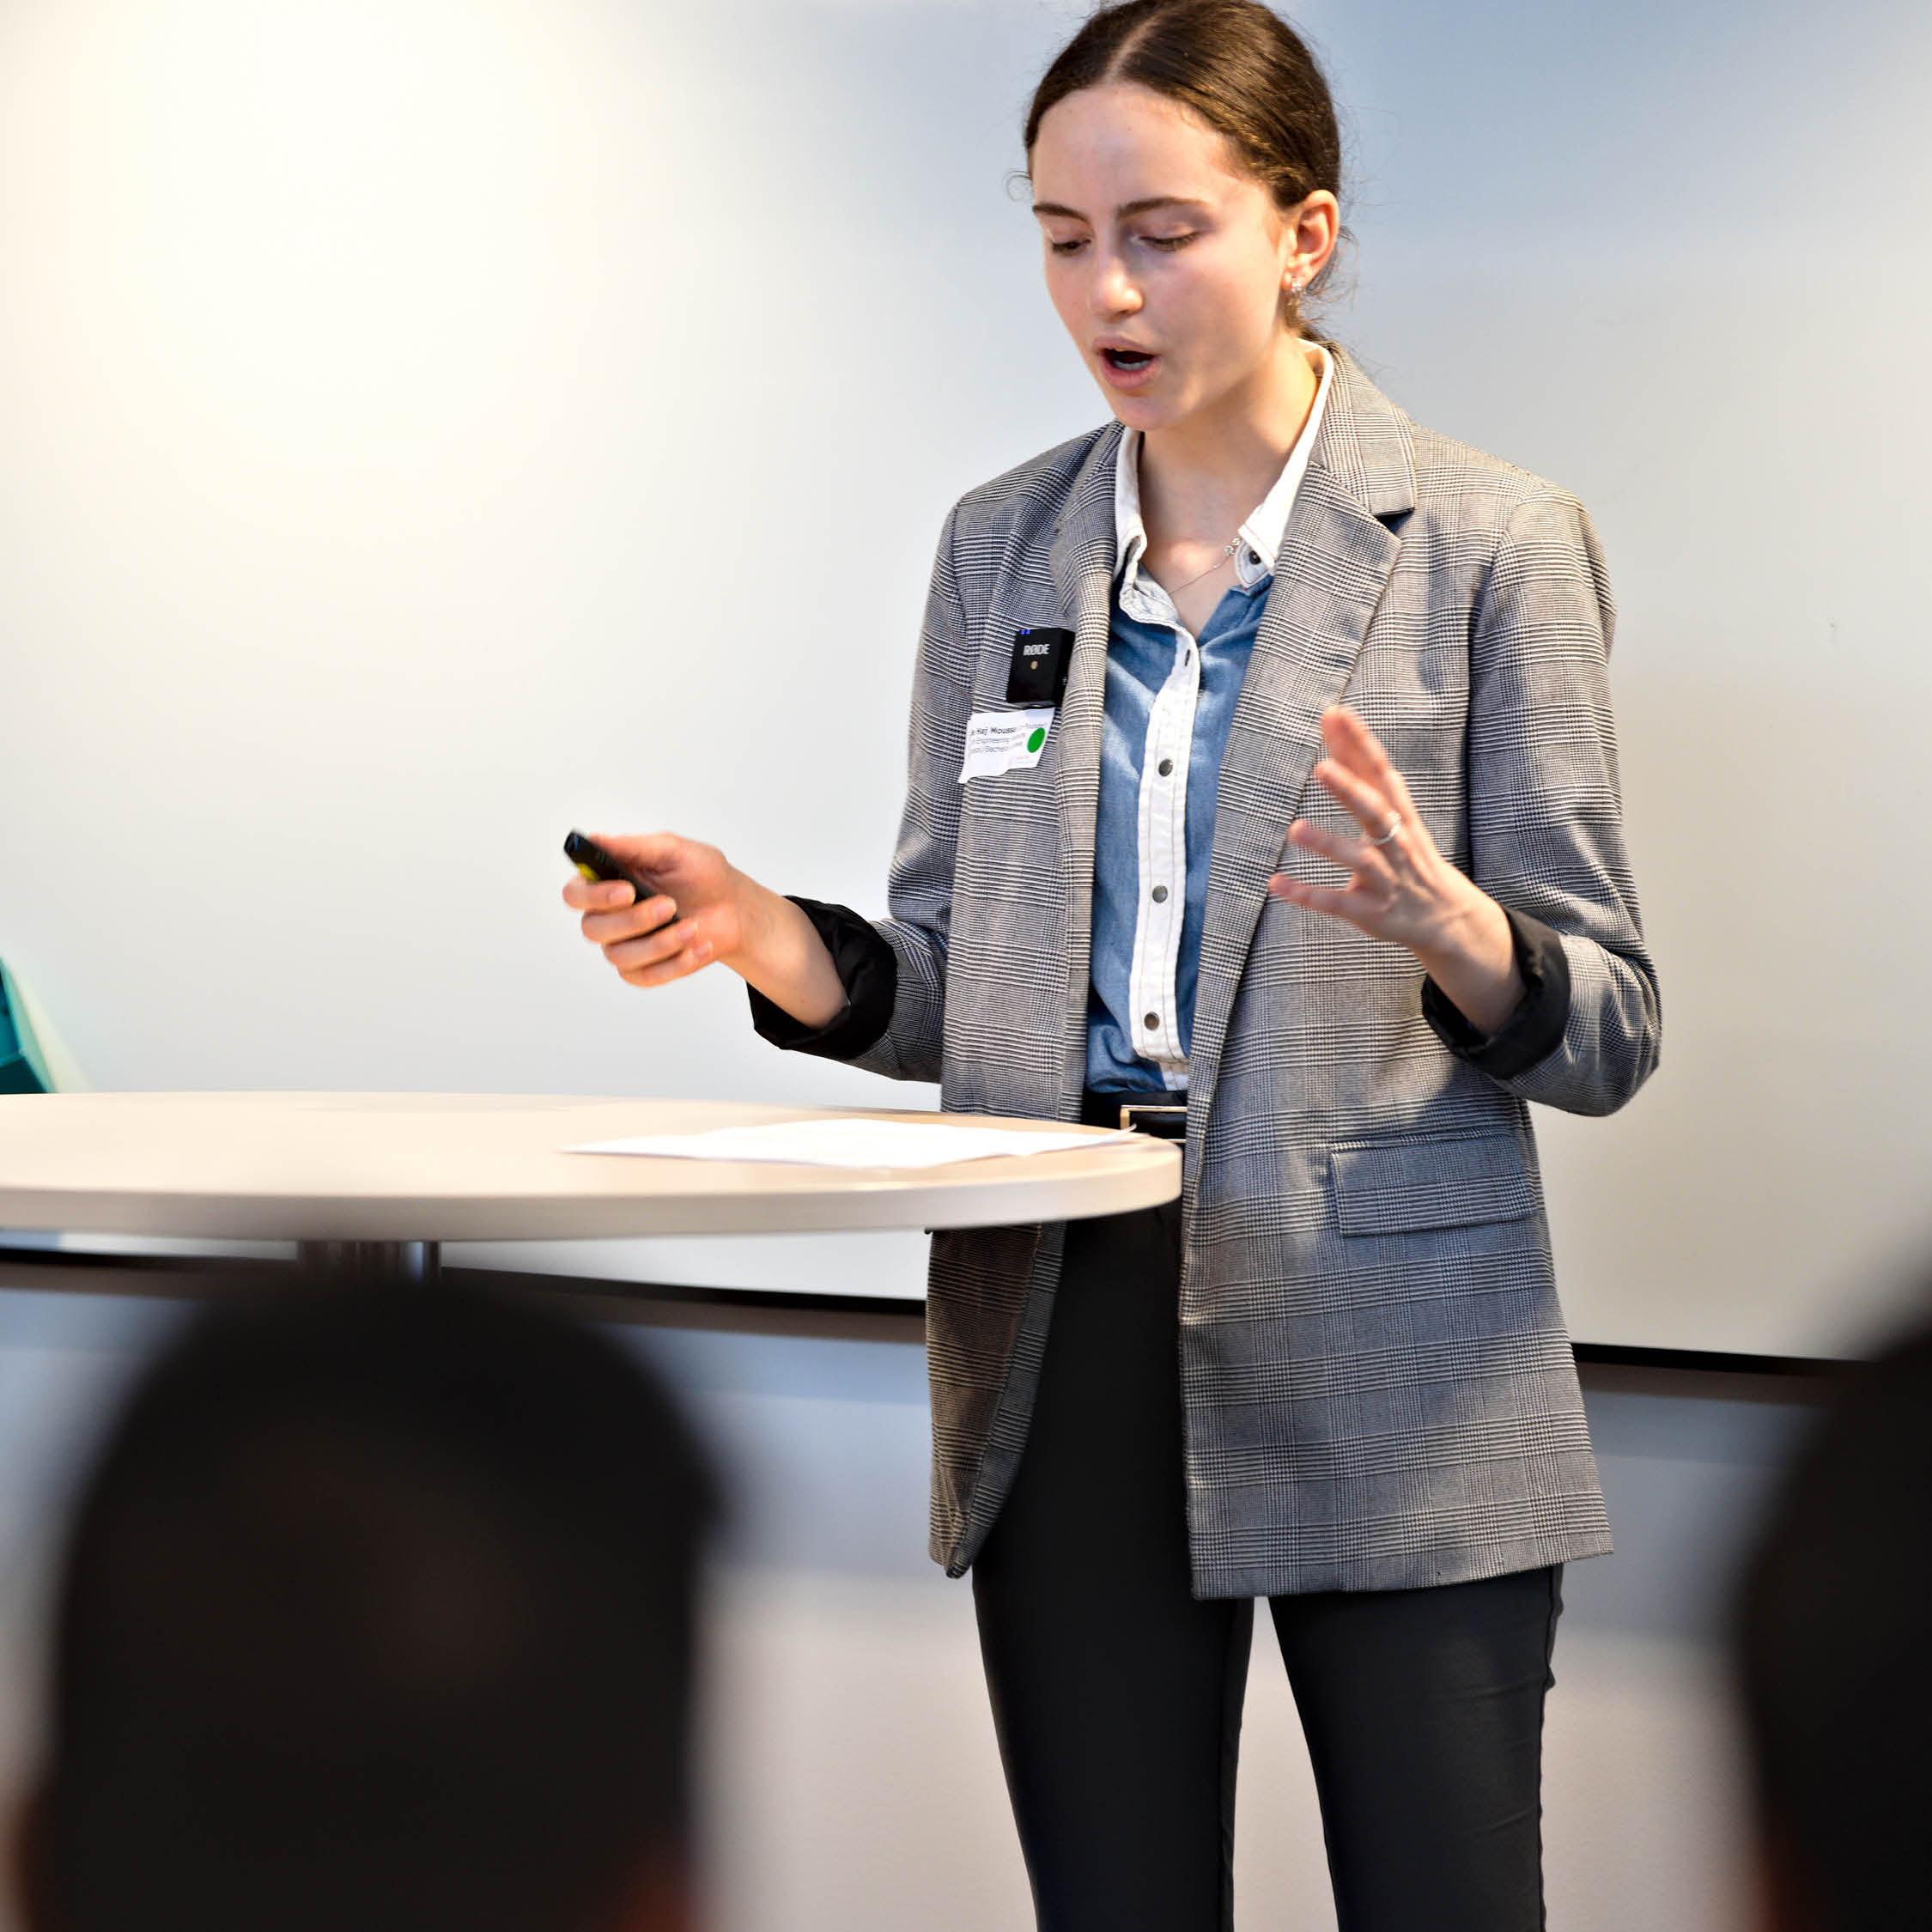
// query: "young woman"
[[1321, 858]]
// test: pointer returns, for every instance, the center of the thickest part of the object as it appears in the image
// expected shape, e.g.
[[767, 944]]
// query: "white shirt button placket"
[[1164, 848]]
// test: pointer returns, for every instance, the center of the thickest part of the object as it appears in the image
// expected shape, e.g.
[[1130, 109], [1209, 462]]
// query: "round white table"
[[382, 1179]]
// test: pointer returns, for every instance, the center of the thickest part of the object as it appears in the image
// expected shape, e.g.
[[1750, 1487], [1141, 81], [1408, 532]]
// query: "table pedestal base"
[[417, 1261]]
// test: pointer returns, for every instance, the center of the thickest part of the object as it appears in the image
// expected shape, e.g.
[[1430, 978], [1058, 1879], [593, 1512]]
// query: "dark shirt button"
[[1165, 768], [1152, 1022], [1160, 895]]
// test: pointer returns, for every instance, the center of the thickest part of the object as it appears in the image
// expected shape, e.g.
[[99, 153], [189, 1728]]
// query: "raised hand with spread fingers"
[[1400, 887]]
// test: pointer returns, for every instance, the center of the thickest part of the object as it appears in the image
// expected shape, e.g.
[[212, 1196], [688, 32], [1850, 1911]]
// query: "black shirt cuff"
[[1534, 1030], [868, 969]]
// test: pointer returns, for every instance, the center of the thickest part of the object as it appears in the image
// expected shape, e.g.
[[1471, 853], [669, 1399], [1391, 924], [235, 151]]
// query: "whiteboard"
[[428, 425]]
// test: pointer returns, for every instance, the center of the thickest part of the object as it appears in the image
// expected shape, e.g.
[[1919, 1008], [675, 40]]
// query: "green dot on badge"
[[1038, 740]]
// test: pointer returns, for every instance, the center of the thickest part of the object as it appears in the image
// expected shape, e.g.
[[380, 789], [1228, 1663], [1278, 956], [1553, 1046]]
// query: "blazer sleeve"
[[919, 886], [1545, 814]]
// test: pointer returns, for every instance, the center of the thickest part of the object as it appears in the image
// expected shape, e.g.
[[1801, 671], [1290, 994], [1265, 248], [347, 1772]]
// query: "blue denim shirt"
[[1151, 844], [1139, 657]]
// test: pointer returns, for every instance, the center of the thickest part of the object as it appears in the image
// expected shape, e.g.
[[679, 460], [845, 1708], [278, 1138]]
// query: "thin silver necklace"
[[1233, 544]]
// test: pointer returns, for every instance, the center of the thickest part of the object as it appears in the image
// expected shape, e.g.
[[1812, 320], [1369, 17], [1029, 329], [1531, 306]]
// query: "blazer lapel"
[[1082, 560], [1334, 562]]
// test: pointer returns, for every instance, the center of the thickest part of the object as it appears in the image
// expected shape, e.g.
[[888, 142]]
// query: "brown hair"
[[1237, 65]]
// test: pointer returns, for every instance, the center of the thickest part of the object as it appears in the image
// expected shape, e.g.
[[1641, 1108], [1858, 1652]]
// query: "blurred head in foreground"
[[1834, 1641], [377, 1613]]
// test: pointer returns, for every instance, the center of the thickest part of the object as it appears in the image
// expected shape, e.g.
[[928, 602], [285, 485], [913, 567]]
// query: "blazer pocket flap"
[[1396, 1185]]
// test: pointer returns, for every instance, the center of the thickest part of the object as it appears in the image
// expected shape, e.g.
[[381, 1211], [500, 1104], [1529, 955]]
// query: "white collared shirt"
[[1163, 842]]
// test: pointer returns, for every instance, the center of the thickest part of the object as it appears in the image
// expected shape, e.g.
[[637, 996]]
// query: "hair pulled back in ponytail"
[[1236, 64]]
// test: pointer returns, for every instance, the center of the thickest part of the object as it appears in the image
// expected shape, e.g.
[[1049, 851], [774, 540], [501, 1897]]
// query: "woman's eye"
[[1065, 248], [1169, 242]]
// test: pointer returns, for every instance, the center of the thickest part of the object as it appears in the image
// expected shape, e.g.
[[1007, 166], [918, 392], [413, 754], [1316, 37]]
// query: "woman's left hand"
[[1400, 887]]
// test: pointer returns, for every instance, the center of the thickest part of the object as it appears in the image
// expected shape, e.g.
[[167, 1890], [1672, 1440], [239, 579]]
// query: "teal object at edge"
[[19, 1073]]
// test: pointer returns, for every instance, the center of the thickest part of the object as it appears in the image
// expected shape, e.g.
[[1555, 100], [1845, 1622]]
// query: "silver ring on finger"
[[1394, 826]]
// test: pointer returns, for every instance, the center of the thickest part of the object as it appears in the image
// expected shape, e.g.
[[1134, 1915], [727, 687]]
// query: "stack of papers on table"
[[853, 1143]]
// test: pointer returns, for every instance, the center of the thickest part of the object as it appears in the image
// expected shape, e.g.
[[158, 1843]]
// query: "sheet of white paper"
[[852, 1143]]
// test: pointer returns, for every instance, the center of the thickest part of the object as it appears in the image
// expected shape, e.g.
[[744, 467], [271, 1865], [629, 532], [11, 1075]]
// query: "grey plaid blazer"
[[1379, 1390]]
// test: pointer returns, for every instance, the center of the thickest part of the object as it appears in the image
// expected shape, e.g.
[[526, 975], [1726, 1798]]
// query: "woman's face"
[[1165, 264]]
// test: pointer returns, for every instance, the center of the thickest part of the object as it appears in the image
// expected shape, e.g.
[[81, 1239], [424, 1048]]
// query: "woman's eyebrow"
[[1126, 209]]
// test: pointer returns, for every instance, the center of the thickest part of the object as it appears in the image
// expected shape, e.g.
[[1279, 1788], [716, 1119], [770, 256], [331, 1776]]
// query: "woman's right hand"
[[696, 915], [705, 909]]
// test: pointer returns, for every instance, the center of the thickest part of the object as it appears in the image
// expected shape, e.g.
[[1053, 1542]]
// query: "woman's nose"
[[1113, 291]]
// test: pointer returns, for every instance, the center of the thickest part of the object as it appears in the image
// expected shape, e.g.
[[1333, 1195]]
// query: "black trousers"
[[1117, 1695]]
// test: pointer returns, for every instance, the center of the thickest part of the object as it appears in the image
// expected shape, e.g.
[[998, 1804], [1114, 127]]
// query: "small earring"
[[1295, 290]]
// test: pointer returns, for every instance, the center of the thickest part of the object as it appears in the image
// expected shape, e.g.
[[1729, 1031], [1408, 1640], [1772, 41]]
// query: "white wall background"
[[426, 424]]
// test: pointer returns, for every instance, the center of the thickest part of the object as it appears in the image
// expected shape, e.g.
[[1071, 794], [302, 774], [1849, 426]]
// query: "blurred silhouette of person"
[[1834, 1653], [378, 1614]]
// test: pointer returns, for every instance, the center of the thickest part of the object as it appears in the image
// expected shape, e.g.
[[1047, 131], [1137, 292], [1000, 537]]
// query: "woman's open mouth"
[[1128, 368]]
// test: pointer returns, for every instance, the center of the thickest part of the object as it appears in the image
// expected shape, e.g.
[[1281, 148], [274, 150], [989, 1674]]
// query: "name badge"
[[998, 741]]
